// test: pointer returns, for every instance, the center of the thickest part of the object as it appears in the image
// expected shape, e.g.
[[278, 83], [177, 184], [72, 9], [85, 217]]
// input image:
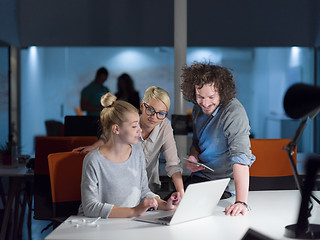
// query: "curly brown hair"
[[199, 74]]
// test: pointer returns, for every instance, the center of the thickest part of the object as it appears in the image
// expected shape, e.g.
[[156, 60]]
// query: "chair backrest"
[[43, 147], [65, 177], [272, 164], [46, 145]]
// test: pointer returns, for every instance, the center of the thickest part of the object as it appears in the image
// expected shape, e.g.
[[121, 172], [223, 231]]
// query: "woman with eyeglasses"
[[156, 138]]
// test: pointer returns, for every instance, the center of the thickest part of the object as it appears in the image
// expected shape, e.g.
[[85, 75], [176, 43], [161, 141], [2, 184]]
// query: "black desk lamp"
[[302, 101]]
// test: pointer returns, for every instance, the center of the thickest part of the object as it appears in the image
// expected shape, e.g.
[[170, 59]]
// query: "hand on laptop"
[[144, 205], [173, 201], [171, 204]]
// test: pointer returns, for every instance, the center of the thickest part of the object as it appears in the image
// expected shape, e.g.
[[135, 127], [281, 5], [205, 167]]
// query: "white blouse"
[[160, 140]]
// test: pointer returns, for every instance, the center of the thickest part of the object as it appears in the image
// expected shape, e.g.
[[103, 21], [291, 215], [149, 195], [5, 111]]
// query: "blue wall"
[[52, 78]]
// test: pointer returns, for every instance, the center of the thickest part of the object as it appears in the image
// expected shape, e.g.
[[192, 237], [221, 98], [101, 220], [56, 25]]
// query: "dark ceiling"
[[150, 22]]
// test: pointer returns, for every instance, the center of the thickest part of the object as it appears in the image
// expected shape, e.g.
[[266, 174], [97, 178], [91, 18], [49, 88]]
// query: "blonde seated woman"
[[114, 180], [156, 138]]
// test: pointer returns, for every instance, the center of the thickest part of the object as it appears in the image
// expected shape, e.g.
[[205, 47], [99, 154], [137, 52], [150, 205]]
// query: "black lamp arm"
[[290, 151], [290, 148]]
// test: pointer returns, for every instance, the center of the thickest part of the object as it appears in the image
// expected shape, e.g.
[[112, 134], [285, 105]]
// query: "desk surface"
[[271, 212], [8, 171]]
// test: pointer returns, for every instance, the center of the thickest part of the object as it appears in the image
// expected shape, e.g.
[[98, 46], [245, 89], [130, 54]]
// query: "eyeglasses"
[[150, 112]]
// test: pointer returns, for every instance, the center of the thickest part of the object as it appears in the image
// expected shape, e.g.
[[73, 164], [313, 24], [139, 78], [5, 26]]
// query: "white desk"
[[271, 212]]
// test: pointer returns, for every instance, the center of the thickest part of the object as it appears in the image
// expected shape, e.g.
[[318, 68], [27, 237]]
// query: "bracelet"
[[243, 203]]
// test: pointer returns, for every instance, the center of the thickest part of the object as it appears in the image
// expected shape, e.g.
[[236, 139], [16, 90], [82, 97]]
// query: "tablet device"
[[199, 164]]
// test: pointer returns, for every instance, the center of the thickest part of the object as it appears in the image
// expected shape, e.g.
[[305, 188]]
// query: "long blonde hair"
[[114, 112]]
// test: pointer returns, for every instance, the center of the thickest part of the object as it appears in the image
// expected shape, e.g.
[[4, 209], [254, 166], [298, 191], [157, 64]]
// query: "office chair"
[[42, 190], [65, 177], [272, 169]]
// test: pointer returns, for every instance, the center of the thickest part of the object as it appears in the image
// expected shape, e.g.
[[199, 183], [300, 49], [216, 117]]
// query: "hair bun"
[[108, 99]]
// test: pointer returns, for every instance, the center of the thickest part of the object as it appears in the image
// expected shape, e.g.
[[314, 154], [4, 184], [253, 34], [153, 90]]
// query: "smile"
[[207, 108], [151, 121]]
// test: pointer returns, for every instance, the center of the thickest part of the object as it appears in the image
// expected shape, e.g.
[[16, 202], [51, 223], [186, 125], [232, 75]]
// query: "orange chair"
[[65, 177], [272, 169], [43, 147]]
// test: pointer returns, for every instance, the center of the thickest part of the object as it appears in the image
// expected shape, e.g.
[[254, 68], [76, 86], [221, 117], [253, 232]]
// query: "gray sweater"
[[105, 184]]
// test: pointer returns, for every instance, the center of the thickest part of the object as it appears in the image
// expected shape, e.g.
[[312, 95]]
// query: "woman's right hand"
[[89, 148], [144, 205], [84, 149], [193, 167]]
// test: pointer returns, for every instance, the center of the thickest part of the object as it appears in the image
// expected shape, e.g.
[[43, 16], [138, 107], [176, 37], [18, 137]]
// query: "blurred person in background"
[[92, 93]]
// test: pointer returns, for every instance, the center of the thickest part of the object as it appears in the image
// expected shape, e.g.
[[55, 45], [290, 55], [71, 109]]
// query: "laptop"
[[199, 201]]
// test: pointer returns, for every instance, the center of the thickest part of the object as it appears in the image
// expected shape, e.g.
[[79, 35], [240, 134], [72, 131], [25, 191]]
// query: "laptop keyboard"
[[166, 219]]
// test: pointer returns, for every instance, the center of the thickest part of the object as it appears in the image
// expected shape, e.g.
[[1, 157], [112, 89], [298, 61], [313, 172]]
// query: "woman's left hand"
[[173, 201], [235, 209]]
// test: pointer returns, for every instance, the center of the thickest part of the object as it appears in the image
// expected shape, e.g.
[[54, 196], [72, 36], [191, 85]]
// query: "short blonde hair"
[[114, 112], [157, 93]]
